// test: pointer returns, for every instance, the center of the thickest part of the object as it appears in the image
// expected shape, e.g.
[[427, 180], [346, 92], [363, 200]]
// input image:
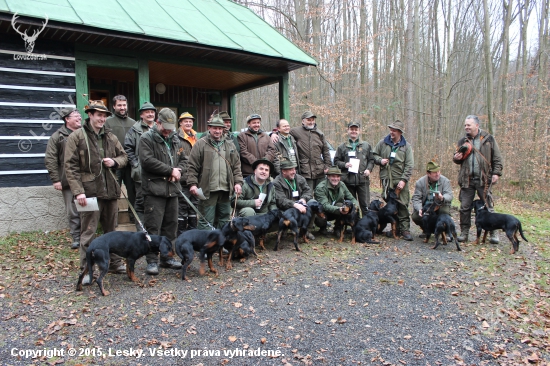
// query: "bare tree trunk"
[[488, 64]]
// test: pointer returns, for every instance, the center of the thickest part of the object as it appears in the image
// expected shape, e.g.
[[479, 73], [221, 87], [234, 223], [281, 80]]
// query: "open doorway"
[[105, 83]]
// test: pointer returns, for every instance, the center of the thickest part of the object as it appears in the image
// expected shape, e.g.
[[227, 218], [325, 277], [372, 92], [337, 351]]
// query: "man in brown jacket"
[[55, 152], [479, 169], [255, 144], [89, 153], [215, 167], [313, 150]]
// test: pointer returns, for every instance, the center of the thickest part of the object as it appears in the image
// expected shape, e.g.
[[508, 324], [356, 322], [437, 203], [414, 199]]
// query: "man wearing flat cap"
[[162, 162], [214, 167], [431, 188], [147, 114], [395, 156], [53, 159], [228, 134], [292, 190], [331, 193], [258, 194], [354, 157], [255, 144], [313, 150], [89, 153], [187, 217]]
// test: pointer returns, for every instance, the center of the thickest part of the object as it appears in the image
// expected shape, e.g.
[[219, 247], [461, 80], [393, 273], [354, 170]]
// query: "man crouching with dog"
[[258, 194], [89, 153], [163, 161], [431, 188], [480, 167], [331, 193]]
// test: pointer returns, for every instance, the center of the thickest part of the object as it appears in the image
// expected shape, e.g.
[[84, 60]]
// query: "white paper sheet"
[[91, 205], [354, 168]]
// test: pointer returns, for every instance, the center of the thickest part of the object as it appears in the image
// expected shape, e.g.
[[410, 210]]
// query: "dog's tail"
[[521, 232]]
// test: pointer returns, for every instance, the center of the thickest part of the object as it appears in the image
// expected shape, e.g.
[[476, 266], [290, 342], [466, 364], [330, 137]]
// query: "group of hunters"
[[168, 171]]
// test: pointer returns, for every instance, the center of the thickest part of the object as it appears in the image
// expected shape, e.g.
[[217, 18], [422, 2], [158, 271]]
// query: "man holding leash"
[[162, 162], [432, 188], [89, 153], [480, 167], [395, 156]]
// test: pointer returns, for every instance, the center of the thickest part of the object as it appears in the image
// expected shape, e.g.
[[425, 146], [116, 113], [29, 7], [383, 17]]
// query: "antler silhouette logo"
[[29, 40]]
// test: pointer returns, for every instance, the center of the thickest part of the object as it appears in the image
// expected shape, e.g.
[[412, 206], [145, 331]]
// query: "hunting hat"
[[186, 115], [308, 114], [97, 105], [224, 115], [334, 170], [266, 162], [253, 116], [66, 111], [216, 121], [287, 164], [354, 124], [398, 125], [147, 106], [432, 167], [168, 119]]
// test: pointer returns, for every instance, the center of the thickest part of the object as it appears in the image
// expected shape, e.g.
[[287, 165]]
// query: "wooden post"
[[81, 80], [284, 97], [143, 82], [232, 110]]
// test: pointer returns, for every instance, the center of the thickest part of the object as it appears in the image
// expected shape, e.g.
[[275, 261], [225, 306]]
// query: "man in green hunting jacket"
[[162, 162], [332, 193], [395, 156], [215, 167]]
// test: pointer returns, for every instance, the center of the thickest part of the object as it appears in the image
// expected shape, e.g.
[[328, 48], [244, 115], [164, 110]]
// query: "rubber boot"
[[463, 234], [191, 222], [493, 239], [182, 226]]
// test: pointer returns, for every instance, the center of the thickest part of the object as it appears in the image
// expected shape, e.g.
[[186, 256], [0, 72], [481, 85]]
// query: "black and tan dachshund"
[[237, 243], [297, 222], [439, 224], [259, 224], [366, 228], [348, 217], [206, 242], [387, 213], [131, 246], [490, 221]]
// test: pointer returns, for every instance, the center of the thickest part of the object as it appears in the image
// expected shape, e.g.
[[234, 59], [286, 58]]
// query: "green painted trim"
[[107, 60], [256, 84], [284, 97], [144, 92], [81, 81], [232, 110]]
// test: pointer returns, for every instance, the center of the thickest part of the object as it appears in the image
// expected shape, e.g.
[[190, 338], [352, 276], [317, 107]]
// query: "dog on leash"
[[490, 221], [297, 222], [237, 243], [366, 228], [206, 242], [387, 213], [259, 224], [131, 246], [347, 218], [439, 224]]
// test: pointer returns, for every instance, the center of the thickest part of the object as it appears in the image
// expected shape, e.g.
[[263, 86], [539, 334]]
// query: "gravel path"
[[336, 304]]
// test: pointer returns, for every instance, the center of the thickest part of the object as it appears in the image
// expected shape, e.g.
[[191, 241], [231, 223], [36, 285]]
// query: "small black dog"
[[259, 224], [131, 246], [387, 213], [347, 218], [206, 242], [237, 243], [297, 222], [437, 223], [490, 221], [366, 228]]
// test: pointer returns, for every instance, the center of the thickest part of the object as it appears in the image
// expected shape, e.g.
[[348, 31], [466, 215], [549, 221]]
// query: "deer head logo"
[[29, 40]]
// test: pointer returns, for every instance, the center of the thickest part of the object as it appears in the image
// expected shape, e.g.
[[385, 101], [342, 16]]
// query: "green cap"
[[147, 106], [308, 114], [432, 167], [97, 105], [253, 116], [287, 164], [66, 111], [398, 125], [224, 115], [168, 119], [334, 170], [216, 121]]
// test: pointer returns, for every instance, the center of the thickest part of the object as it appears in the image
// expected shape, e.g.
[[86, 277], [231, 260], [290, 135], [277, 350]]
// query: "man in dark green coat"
[[395, 156], [162, 163], [332, 193], [258, 194]]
